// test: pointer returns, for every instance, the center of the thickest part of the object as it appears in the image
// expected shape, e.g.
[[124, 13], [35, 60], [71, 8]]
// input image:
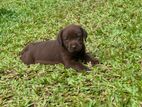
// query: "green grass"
[[114, 35]]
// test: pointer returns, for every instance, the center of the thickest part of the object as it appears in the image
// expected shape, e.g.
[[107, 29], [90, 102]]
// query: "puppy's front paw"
[[94, 62], [84, 68], [87, 69]]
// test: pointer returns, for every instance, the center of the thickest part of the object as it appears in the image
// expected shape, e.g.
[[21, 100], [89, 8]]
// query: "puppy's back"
[[45, 51]]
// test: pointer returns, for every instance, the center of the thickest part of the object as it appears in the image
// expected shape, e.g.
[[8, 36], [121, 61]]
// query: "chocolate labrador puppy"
[[68, 49]]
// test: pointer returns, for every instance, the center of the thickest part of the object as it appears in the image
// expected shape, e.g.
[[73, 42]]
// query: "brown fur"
[[68, 49]]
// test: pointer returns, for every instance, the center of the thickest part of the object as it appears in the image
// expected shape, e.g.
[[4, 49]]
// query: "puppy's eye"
[[78, 37], [66, 39], [79, 34]]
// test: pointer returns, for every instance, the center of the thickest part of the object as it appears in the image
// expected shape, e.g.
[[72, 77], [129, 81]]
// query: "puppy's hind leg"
[[26, 56]]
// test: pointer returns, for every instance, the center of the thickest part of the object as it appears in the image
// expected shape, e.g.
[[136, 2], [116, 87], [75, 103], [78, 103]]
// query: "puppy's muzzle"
[[74, 47]]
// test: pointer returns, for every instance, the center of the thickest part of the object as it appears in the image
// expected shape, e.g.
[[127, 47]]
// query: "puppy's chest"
[[76, 56]]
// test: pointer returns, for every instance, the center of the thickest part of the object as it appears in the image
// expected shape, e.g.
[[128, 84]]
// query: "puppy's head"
[[72, 38]]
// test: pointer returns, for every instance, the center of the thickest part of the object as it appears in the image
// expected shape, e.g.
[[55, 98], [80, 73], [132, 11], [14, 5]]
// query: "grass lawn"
[[114, 35]]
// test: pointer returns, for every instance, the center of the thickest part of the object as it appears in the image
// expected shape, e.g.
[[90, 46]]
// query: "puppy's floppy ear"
[[84, 33], [59, 37]]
